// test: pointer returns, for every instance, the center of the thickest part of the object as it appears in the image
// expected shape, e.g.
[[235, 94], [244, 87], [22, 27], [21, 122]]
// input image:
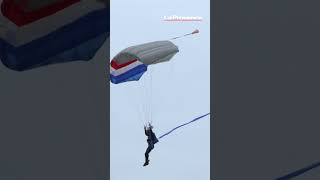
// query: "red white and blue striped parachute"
[[35, 33], [131, 63]]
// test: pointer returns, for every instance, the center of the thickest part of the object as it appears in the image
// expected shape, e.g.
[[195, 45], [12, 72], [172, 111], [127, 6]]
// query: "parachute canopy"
[[131, 63], [51, 31]]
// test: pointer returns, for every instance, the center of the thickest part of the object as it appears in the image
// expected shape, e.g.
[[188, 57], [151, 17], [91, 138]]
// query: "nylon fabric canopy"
[[131, 63]]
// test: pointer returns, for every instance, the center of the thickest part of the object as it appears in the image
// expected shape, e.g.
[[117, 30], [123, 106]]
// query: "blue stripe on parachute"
[[132, 75], [83, 52], [196, 119], [64, 38]]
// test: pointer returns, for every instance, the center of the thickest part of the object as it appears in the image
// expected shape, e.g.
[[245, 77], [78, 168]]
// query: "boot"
[[146, 163]]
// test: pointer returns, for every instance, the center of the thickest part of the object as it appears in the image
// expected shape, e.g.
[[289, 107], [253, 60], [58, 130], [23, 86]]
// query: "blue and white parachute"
[[35, 33]]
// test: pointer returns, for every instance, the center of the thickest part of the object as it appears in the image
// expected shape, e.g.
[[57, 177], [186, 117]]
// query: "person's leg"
[[146, 154]]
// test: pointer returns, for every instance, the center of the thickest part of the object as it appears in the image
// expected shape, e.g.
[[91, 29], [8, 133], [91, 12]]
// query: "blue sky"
[[180, 92]]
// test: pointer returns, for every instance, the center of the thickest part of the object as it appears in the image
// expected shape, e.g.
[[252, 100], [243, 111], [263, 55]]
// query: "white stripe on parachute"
[[117, 72]]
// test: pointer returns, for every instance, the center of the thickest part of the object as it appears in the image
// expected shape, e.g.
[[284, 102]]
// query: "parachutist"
[[152, 139]]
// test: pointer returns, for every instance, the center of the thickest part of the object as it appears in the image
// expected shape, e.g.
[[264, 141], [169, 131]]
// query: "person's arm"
[[145, 131]]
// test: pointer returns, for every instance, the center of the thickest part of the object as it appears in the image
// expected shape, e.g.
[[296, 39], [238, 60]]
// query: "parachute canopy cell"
[[131, 63], [61, 34]]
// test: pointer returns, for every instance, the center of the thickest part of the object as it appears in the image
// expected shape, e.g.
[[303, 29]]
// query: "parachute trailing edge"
[[131, 63]]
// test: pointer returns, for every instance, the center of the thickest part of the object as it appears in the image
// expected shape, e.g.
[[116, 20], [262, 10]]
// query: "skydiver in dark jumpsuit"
[[152, 139]]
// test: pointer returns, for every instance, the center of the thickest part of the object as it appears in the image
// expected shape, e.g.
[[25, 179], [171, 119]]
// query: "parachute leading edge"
[[131, 63]]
